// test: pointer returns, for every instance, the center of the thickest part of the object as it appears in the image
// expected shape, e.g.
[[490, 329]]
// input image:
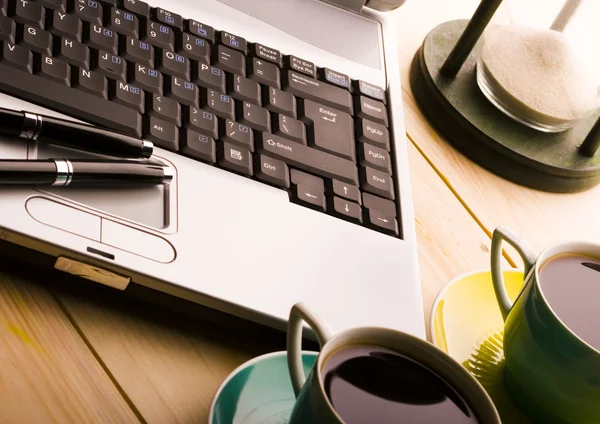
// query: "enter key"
[[329, 129]]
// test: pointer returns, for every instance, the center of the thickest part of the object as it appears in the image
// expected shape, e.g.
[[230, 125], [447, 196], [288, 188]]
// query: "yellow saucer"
[[467, 324]]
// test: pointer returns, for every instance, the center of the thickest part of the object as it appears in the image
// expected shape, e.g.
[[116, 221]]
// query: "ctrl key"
[[380, 221], [273, 171]]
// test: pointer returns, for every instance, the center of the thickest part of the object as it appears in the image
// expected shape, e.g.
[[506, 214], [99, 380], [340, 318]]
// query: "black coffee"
[[571, 285], [369, 384]]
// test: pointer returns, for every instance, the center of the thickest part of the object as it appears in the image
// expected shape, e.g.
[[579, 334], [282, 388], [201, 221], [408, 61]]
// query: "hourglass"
[[521, 101]]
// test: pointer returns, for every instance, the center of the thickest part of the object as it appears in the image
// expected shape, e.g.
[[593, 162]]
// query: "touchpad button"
[[137, 242], [145, 205]]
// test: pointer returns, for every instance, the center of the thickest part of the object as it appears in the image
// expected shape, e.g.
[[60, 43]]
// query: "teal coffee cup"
[[552, 330], [379, 375]]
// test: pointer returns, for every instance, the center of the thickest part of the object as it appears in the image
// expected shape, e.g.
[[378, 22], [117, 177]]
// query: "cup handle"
[[526, 252], [299, 313]]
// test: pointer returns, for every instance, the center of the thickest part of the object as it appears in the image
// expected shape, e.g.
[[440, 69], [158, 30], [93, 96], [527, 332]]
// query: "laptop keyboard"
[[209, 95]]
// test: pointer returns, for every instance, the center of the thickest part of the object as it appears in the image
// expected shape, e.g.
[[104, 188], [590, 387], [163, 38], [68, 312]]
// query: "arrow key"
[[310, 197], [347, 191], [346, 209], [381, 221]]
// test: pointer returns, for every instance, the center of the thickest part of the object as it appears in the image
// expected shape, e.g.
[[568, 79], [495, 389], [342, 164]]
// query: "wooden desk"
[[77, 355]]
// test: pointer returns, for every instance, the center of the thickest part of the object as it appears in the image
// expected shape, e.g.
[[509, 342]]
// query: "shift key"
[[309, 159]]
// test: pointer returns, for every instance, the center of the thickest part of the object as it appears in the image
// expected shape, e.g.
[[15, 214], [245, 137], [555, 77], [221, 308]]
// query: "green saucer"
[[258, 391]]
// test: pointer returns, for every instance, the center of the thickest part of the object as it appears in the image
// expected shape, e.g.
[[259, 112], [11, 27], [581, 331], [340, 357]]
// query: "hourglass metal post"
[[469, 37]]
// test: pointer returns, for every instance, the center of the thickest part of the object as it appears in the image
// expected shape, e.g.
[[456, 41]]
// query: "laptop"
[[282, 122]]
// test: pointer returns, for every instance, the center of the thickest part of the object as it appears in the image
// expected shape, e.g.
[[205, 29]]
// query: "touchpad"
[[146, 205]]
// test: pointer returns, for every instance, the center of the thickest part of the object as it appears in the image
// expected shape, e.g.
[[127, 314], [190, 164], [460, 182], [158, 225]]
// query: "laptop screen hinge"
[[355, 6]]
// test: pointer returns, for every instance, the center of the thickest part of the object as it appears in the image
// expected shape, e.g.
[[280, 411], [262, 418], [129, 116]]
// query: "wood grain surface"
[[48, 374]]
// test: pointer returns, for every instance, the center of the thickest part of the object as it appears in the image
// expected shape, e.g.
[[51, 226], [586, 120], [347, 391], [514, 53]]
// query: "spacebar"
[[309, 159], [78, 104]]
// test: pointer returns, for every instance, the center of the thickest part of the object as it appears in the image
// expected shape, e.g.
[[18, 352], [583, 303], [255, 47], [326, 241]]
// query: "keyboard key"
[[308, 196], [110, 65], [124, 23], [230, 60], [375, 157], [347, 191], [91, 82], [199, 146], [193, 47], [147, 79], [169, 18], [244, 89], [164, 108], [238, 134], [347, 209], [139, 52], [182, 91], [127, 95], [300, 65], [381, 221], [101, 38], [273, 171], [235, 158], [372, 110], [385, 206], [55, 69], [201, 30], [17, 56], [373, 133], [60, 5], [278, 101], [202, 121], [370, 90], [308, 159], [37, 40], [27, 12], [255, 117], [73, 52], [209, 77], [162, 133], [234, 41], [79, 104], [336, 78], [89, 11], [173, 64], [7, 29], [264, 73], [267, 53], [160, 36], [307, 180], [377, 182], [329, 129], [137, 7], [318, 91], [290, 128], [65, 25], [220, 104]]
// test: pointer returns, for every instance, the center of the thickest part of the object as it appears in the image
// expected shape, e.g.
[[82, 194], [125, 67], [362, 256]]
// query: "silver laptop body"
[[232, 243]]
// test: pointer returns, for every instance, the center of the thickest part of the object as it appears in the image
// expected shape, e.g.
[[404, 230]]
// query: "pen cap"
[[93, 139], [117, 174], [11, 122]]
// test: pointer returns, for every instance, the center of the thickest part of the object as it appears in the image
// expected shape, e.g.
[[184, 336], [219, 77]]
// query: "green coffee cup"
[[551, 374]]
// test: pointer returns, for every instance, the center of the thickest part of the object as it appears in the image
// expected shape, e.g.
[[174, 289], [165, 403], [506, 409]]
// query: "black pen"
[[71, 172], [61, 132]]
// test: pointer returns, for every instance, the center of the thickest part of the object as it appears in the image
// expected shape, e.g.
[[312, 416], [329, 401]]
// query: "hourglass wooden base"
[[467, 119]]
